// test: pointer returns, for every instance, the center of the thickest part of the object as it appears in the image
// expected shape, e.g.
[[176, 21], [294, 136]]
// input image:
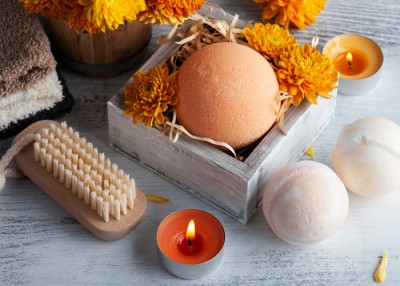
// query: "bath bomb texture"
[[305, 202], [367, 156], [227, 93]]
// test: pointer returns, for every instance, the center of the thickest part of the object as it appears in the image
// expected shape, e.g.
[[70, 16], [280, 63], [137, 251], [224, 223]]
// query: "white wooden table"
[[40, 244]]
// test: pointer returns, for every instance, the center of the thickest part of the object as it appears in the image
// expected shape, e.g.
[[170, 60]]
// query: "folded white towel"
[[44, 94]]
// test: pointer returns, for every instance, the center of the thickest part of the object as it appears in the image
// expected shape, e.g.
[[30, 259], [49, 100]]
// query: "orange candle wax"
[[189, 243], [351, 62], [204, 244], [354, 56], [358, 59]]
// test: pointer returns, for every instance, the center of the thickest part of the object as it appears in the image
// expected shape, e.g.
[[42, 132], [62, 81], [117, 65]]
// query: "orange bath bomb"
[[227, 93]]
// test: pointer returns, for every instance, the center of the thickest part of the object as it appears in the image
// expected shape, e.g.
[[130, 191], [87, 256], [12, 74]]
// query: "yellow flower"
[[310, 152], [269, 40], [169, 11], [150, 94], [305, 72], [300, 13], [380, 272], [51, 9], [98, 15]]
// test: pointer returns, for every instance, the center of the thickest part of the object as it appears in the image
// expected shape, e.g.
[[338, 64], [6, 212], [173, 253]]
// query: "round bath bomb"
[[305, 202], [367, 156], [227, 92]]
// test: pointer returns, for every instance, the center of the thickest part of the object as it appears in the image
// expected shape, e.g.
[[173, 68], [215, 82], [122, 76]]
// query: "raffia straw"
[[205, 31], [284, 101], [188, 39], [175, 130], [230, 35], [164, 39], [314, 42]]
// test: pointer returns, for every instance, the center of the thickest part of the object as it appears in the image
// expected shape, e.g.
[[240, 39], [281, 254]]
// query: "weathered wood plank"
[[40, 244]]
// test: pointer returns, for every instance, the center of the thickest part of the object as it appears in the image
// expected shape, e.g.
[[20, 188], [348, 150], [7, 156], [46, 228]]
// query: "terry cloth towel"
[[59, 108], [25, 55], [30, 89], [24, 103]]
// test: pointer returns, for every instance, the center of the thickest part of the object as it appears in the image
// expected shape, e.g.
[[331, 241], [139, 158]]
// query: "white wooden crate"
[[230, 185]]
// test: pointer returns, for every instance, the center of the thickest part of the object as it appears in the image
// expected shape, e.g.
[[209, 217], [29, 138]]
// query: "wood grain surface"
[[40, 244], [100, 48]]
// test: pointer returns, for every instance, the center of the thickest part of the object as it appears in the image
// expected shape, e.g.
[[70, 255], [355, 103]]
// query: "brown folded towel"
[[25, 55]]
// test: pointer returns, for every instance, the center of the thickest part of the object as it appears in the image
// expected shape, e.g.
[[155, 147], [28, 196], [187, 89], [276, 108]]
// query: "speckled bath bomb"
[[227, 93], [367, 156], [305, 202]]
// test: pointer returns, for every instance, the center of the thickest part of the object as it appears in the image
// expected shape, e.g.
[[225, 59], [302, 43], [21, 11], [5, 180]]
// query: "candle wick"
[[350, 64], [189, 242]]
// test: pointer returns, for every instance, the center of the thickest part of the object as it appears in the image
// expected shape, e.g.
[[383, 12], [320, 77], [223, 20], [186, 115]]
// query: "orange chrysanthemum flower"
[[169, 11], [300, 13], [51, 9], [150, 94], [305, 72], [77, 20], [95, 16], [269, 40]]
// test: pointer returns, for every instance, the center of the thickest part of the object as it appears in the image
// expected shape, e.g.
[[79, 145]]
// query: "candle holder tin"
[[190, 271], [361, 86], [186, 266]]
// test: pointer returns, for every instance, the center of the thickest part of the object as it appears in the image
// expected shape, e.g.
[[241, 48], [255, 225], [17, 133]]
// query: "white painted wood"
[[40, 244], [230, 185]]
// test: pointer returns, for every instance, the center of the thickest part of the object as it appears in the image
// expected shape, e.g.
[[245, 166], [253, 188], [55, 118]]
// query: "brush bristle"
[[88, 174]]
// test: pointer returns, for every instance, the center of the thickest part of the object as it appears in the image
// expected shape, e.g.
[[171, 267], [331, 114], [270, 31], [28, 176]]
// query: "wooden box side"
[[208, 173]]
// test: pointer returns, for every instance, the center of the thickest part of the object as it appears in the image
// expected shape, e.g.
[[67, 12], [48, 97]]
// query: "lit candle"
[[358, 60], [350, 63], [190, 243]]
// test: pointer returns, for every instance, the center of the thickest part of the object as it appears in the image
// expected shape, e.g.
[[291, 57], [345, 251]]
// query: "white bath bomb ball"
[[367, 156], [305, 202]]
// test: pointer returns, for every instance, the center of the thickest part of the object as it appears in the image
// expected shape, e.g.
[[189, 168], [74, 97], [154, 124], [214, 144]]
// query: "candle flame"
[[191, 232], [349, 58]]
